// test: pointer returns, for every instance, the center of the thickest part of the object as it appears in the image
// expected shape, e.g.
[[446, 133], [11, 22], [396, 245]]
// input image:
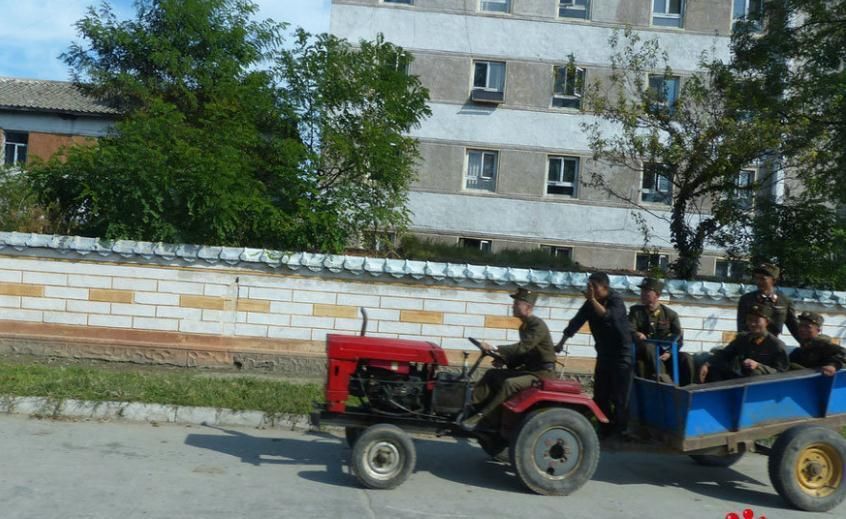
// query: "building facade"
[[39, 117], [505, 163]]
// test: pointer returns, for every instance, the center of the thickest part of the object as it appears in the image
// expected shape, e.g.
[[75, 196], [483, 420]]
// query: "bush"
[[428, 250]]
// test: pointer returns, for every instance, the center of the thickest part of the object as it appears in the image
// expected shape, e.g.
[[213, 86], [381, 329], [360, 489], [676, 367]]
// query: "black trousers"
[[612, 384]]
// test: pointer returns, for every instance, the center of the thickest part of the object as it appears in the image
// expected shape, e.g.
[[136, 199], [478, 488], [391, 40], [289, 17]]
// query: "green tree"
[[19, 208], [354, 107], [692, 148], [213, 148]]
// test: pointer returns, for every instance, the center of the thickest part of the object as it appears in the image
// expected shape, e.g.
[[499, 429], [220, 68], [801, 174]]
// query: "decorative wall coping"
[[367, 267]]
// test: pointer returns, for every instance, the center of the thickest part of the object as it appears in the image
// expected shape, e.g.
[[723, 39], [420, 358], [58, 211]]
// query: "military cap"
[[525, 294], [812, 317], [765, 311], [767, 269], [600, 277], [653, 284]]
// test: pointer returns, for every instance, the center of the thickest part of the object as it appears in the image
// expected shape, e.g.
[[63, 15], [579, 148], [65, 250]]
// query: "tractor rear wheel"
[[806, 467], [383, 456], [555, 451]]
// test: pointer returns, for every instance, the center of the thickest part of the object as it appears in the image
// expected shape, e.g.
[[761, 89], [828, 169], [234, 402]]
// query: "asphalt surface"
[[90, 470]]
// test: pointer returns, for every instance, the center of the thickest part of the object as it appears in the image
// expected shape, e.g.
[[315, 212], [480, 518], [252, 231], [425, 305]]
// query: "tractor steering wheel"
[[495, 356]]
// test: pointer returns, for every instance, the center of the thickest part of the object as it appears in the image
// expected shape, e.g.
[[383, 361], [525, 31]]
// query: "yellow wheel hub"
[[819, 469]]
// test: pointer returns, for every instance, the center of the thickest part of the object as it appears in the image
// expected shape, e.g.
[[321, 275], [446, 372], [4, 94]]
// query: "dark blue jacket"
[[611, 332]]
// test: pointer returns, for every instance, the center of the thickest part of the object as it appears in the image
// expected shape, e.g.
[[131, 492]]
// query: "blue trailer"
[[716, 423]]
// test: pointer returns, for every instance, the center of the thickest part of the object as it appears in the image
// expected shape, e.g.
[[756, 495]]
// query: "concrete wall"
[[196, 313], [54, 124]]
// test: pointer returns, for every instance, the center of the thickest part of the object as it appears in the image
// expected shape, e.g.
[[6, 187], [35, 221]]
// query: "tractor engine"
[[390, 387]]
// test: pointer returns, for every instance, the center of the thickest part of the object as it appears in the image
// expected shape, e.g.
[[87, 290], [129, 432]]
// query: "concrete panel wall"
[[441, 167], [231, 309], [621, 12], [708, 16], [447, 77]]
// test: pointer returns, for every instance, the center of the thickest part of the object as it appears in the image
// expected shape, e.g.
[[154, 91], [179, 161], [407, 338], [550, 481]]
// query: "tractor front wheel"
[[383, 456]]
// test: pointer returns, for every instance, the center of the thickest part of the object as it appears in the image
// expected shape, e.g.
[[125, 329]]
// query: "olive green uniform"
[[662, 324], [818, 352], [768, 351], [783, 312], [531, 359]]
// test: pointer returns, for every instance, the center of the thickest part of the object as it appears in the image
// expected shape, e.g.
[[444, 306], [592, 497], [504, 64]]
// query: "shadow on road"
[[680, 471], [462, 461]]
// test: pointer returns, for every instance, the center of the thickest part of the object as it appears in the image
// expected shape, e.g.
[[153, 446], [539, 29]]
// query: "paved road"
[[90, 470]]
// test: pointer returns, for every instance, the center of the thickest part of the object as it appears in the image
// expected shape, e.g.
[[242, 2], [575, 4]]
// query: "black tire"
[[806, 468], [351, 434], [555, 451], [383, 456], [710, 460], [494, 446]]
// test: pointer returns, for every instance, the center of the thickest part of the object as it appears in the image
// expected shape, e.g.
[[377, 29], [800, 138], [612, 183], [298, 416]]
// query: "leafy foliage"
[[699, 143], [19, 208], [217, 146], [427, 250]]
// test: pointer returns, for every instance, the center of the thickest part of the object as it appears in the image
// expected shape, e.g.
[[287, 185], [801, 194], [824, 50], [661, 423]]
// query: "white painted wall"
[[54, 123]]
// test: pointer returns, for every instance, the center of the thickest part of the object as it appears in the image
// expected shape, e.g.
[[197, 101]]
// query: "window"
[[667, 13], [472, 243], [665, 89], [747, 11], [406, 2], [745, 194], [558, 252], [488, 81], [573, 9], [562, 176], [568, 87], [14, 149], [647, 262], [730, 269], [481, 170], [495, 6], [657, 185]]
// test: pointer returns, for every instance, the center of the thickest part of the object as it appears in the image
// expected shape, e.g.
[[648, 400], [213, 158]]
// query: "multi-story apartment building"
[[504, 159]]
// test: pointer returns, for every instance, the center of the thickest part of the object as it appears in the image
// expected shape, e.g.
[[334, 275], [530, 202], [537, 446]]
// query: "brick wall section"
[[233, 303]]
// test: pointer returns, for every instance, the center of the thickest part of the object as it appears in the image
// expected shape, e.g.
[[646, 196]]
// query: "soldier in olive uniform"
[[783, 313], [653, 320], [530, 360], [756, 352], [816, 351]]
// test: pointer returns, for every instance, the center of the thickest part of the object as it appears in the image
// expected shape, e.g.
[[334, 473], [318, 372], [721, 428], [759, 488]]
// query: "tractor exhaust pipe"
[[364, 321]]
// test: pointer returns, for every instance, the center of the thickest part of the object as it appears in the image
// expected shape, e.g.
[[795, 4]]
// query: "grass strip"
[[177, 388]]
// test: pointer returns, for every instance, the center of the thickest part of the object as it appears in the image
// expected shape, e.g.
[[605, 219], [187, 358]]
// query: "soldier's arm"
[[577, 321], [836, 357], [741, 314], [676, 329]]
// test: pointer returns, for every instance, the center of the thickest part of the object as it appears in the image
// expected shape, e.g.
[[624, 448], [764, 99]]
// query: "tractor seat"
[[561, 386]]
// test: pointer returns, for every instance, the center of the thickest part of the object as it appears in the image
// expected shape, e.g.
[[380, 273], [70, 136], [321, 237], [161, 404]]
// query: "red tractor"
[[406, 386]]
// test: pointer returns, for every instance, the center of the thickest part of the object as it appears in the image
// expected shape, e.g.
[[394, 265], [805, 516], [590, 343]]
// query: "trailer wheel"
[[494, 446], [710, 460], [806, 467], [351, 434], [555, 451], [383, 456]]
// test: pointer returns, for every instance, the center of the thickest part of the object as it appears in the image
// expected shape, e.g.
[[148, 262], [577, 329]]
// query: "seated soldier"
[[530, 360], [653, 320], [816, 351], [756, 352]]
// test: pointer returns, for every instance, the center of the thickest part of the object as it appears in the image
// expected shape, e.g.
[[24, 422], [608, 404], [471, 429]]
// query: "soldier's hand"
[[560, 346], [750, 364], [497, 363], [486, 347], [829, 370], [588, 293], [703, 373], [640, 336], [665, 356]]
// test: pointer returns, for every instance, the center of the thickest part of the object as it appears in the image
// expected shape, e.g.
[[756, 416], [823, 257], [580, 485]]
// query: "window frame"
[[488, 63], [398, 2], [731, 265], [492, 180], [663, 262], [506, 2], [665, 15], [574, 8], [665, 102], [574, 185], [484, 245], [17, 146], [755, 21], [554, 250], [578, 89], [644, 191], [744, 196]]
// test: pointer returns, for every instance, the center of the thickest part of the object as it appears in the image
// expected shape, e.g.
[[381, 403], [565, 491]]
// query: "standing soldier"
[[605, 311], [816, 351], [653, 320], [783, 312]]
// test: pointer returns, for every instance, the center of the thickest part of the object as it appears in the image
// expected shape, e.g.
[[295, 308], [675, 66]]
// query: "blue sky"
[[34, 32]]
